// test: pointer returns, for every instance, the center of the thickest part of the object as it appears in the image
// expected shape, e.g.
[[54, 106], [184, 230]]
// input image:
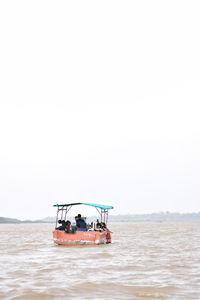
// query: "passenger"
[[103, 225], [59, 221], [67, 226], [90, 226], [98, 224], [63, 226], [80, 217], [81, 224], [73, 227]]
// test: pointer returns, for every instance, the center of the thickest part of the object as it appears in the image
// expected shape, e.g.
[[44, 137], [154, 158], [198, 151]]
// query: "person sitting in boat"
[[63, 226], [78, 220], [80, 223], [67, 226], [73, 227], [103, 225], [98, 224]]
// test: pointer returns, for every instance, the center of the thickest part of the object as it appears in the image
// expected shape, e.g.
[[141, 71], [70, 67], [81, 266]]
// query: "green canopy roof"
[[90, 204]]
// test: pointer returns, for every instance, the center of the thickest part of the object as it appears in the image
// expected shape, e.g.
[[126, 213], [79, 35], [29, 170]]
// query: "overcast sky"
[[99, 102]]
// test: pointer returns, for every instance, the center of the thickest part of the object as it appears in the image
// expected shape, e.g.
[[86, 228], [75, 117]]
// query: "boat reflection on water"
[[80, 233]]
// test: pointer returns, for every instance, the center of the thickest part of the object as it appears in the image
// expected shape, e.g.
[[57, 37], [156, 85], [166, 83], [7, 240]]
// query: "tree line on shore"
[[153, 217]]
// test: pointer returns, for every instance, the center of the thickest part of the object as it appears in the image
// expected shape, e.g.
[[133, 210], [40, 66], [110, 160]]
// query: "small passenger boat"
[[81, 233]]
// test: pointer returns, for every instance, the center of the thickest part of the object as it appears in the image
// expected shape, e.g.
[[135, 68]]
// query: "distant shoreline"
[[154, 217]]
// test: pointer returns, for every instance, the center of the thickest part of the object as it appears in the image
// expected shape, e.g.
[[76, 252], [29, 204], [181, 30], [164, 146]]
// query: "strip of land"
[[154, 217]]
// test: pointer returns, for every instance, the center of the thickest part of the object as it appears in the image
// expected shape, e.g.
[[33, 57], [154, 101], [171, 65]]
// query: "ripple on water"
[[146, 261]]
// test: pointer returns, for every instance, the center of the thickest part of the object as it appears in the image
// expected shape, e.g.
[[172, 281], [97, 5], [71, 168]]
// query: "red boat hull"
[[60, 237]]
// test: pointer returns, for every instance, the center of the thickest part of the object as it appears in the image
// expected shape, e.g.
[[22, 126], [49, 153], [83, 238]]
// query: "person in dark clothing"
[[63, 226], [67, 226], [103, 225], [98, 224], [80, 223]]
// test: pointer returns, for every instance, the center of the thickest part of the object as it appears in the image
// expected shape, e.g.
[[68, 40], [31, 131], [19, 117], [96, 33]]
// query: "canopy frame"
[[63, 209]]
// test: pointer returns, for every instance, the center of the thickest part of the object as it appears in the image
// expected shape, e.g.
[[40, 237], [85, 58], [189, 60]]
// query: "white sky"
[[99, 102]]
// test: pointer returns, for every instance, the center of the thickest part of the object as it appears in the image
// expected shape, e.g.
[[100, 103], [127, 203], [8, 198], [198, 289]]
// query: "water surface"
[[145, 261]]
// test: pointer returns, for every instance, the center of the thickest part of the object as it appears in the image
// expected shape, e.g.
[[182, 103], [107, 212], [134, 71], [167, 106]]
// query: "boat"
[[80, 233]]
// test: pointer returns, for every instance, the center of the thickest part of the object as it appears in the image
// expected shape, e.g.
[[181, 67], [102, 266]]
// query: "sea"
[[147, 260]]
